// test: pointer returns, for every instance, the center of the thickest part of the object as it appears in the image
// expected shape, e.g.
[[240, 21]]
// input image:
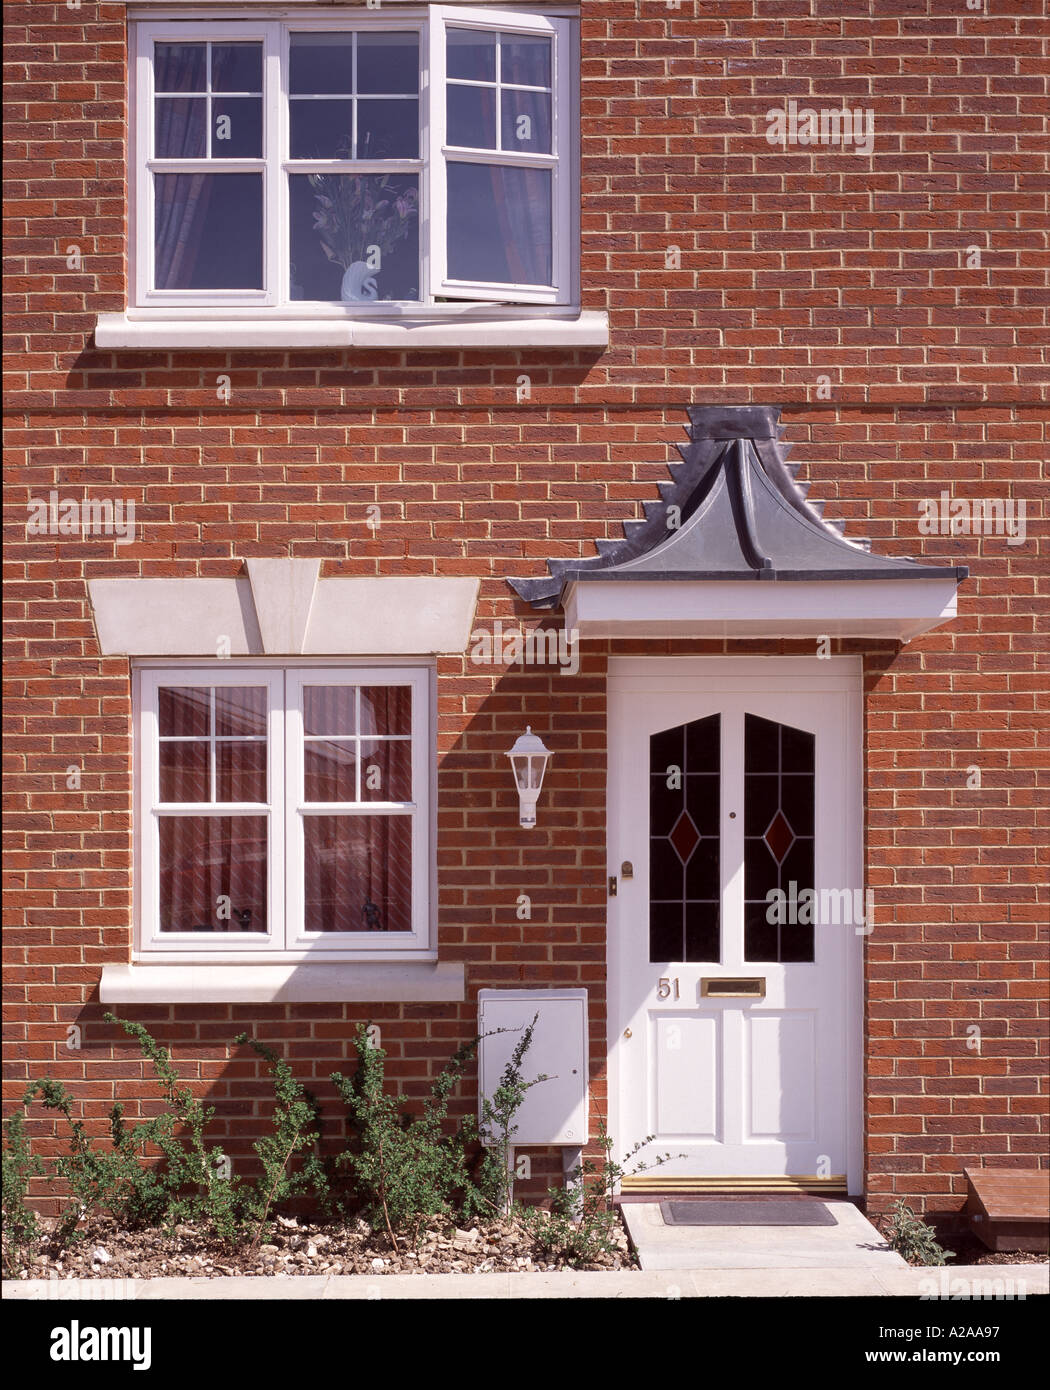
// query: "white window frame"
[[273, 32], [441, 153], [285, 941], [298, 808]]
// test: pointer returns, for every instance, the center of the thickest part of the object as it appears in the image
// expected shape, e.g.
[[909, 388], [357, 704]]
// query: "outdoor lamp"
[[528, 758]]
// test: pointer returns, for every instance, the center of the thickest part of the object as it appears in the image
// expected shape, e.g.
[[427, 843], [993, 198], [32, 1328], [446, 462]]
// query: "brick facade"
[[794, 265]]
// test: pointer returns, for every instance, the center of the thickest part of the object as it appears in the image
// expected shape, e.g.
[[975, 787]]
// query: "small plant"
[[912, 1238], [405, 1168], [581, 1224], [191, 1181], [21, 1227], [111, 1180], [296, 1128], [498, 1127]]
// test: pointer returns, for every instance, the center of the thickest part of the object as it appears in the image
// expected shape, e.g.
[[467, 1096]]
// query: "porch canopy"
[[733, 513]]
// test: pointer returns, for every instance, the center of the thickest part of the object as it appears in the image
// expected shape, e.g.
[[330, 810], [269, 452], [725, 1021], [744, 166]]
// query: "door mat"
[[735, 1213]]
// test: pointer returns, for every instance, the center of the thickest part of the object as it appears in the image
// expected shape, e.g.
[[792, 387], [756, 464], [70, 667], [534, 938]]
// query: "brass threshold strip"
[[803, 1182]]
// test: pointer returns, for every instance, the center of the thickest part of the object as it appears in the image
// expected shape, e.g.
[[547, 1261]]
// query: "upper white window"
[[358, 160], [284, 810]]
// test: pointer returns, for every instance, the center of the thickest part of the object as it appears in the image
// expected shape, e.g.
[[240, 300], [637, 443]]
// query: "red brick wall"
[[794, 265]]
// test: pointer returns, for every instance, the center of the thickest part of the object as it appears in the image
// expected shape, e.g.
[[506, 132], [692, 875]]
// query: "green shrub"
[[105, 1180], [296, 1123], [20, 1165], [910, 1236], [191, 1181], [404, 1167], [582, 1223], [497, 1131]]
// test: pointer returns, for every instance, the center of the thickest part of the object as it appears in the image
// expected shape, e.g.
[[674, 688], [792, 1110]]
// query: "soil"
[[294, 1247]]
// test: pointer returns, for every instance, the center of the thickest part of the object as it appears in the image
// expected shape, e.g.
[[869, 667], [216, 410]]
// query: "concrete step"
[[846, 1241]]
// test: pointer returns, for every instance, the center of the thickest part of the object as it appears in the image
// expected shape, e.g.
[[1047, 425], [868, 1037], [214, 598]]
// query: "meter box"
[[553, 1111]]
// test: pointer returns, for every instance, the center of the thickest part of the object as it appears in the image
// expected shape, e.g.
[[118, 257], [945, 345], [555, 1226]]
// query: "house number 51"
[[667, 989]]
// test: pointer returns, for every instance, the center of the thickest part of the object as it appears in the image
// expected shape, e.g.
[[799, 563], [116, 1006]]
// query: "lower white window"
[[284, 811]]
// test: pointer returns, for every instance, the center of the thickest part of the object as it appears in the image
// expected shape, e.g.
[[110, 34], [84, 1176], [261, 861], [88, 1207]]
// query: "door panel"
[[781, 1070], [721, 793], [687, 1080]]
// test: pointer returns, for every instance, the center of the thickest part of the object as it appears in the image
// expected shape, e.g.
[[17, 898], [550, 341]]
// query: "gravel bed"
[[295, 1247]]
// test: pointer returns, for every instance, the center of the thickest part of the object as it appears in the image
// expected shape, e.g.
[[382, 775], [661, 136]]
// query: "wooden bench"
[[1009, 1208]]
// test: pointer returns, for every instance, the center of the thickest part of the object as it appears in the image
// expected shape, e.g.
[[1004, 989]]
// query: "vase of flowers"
[[360, 219]]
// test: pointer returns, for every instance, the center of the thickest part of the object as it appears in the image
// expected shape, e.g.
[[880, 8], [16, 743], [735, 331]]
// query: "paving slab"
[[1000, 1282], [850, 1241]]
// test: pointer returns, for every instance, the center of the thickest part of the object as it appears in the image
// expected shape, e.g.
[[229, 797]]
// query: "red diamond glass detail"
[[779, 837], [684, 836]]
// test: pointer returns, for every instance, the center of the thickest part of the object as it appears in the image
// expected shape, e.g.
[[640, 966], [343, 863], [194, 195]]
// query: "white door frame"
[[843, 674]]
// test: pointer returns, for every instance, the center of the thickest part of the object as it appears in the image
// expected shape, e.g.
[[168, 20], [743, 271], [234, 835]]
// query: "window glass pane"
[[330, 709], [763, 746], [180, 128], [386, 770], [684, 842], [796, 801], [184, 711], [760, 803], [388, 129], [180, 67], [386, 709], [796, 750], [236, 67], [335, 221], [525, 59], [185, 771], [471, 54], [213, 873], [666, 932], [321, 63], [240, 711], [236, 128], [499, 224], [208, 231], [330, 770], [666, 751], [701, 931], [321, 129], [472, 117], [358, 873], [240, 771], [526, 124], [779, 789], [760, 935], [701, 799], [388, 62]]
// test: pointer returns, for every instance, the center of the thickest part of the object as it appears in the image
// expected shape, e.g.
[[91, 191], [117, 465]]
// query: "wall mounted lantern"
[[528, 759]]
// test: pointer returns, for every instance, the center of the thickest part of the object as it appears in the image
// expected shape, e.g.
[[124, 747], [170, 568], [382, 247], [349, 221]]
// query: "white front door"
[[736, 916]]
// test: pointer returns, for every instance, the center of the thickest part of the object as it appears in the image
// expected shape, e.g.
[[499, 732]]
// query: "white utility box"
[[554, 1111]]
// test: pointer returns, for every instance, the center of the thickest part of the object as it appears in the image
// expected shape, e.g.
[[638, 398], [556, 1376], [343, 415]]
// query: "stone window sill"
[[228, 982], [485, 329]]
